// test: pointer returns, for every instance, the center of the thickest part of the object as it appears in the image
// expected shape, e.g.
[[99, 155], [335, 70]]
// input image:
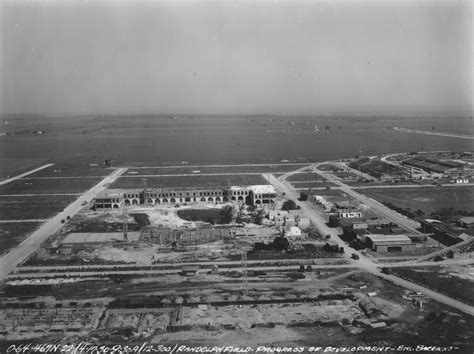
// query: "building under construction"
[[117, 198]]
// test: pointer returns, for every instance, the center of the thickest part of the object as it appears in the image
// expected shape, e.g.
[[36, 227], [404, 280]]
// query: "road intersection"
[[319, 220]]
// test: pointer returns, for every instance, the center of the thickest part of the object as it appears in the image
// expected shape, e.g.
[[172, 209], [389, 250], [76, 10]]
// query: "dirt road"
[[10, 261], [25, 174], [378, 207], [451, 135]]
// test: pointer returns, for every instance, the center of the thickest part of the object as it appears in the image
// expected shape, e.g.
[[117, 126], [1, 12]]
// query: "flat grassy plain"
[[189, 181], [66, 169], [305, 176], [212, 169], [32, 207], [15, 166], [428, 199], [12, 234], [329, 167], [49, 185], [329, 193], [312, 184], [168, 140]]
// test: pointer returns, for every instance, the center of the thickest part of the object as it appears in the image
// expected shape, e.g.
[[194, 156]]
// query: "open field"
[[427, 199], [32, 207], [329, 192], [12, 234], [68, 169], [329, 167], [365, 183], [305, 177], [161, 139], [456, 281], [312, 184], [213, 169], [10, 167], [189, 181], [346, 175], [49, 185]]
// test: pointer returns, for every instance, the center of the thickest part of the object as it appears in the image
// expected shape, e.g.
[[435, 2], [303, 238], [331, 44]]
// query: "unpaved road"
[[378, 207], [25, 174], [427, 132]]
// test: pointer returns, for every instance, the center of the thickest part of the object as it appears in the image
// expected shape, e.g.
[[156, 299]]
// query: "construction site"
[[200, 269]]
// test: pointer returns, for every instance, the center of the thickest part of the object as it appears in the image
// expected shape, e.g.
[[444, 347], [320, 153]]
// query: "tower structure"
[[124, 223], [245, 284], [145, 199]]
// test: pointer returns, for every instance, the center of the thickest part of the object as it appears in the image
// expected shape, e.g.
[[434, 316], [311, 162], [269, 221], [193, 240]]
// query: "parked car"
[[355, 256]]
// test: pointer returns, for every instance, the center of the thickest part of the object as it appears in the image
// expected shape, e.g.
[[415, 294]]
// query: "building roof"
[[332, 243], [432, 221], [110, 193], [293, 231], [263, 189], [465, 236], [467, 220], [380, 239]]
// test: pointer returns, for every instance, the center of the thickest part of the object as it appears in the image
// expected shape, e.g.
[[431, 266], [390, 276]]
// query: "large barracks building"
[[253, 194]]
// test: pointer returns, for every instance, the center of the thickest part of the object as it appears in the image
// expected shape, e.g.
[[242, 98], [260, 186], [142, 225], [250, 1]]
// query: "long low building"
[[446, 167], [389, 243], [253, 194]]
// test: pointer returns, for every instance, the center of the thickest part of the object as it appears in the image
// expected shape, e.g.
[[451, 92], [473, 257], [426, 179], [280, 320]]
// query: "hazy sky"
[[320, 57]]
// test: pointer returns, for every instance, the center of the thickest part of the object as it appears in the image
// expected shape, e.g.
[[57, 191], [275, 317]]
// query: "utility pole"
[[245, 285], [145, 199], [125, 224]]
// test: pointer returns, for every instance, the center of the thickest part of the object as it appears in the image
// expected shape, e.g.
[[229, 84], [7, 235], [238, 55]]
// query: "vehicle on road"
[[355, 256]]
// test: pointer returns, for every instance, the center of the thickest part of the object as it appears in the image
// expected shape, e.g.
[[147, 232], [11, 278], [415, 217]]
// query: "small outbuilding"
[[467, 222], [331, 246], [389, 243], [293, 231]]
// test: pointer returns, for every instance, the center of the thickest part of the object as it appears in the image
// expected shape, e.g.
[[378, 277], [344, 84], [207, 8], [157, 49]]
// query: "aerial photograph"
[[242, 176]]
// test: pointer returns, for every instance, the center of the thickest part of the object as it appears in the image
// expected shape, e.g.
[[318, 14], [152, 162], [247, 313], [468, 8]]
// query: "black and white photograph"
[[241, 176]]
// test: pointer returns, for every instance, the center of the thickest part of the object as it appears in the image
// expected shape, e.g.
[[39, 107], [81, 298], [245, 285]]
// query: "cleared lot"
[[305, 177], [49, 185], [32, 207], [72, 170], [16, 166], [189, 181], [427, 199], [312, 184], [213, 169], [12, 234]]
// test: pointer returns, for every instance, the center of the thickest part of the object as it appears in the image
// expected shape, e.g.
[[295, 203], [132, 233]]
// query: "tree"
[[289, 205], [227, 212], [303, 196], [281, 243]]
